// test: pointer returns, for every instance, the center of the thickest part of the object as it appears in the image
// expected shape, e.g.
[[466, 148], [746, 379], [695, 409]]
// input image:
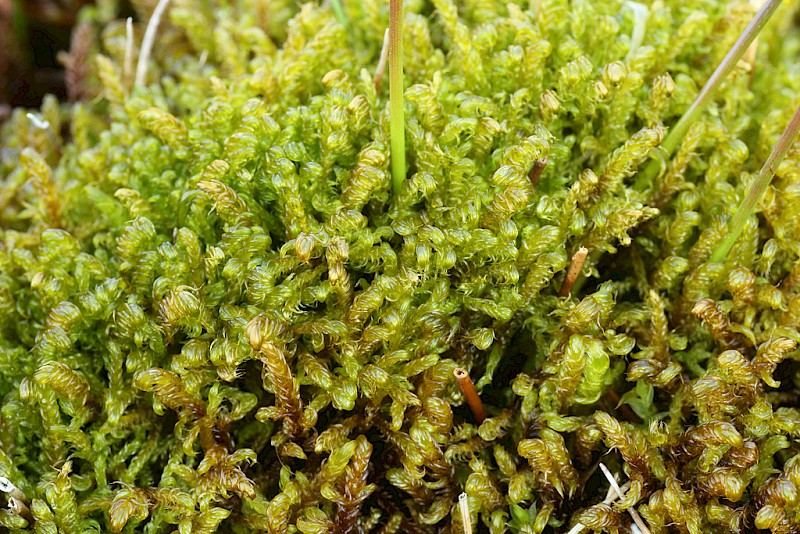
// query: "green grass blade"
[[730, 60], [758, 189], [397, 118], [338, 12]]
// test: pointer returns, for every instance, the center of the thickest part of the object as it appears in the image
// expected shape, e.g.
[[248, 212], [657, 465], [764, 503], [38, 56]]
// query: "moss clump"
[[215, 314]]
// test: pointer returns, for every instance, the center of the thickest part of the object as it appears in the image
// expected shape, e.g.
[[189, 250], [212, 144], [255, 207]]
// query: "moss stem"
[[397, 118], [730, 60], [758, 188]]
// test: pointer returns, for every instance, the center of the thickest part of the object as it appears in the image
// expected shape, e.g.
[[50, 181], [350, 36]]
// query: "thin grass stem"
[[397, 113], [382, 62], [463, 506], [633, 513], [640, 15], [147, 41], [127, 65], [758, 188], [730, 60], [338, 12], [611, 496]]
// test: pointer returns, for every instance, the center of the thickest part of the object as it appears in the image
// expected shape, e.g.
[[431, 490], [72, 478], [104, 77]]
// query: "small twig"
[[575, 266], [632, 511], [463, 506], [127, 66], [470, 393], [147, 41], [612, 494], [382, 62], [536, 171]]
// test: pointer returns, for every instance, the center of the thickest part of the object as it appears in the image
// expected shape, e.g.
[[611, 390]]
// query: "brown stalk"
[[575, 266], [470, 393], [17, 507], [536, 171]]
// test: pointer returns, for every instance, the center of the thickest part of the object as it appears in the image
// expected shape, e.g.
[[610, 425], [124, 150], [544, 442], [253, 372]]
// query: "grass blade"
[[730, 60], [397, 118], [758, 189]]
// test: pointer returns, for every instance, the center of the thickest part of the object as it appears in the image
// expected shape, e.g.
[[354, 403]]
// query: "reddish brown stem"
[[575, 266], [470, 393], [536, 171]]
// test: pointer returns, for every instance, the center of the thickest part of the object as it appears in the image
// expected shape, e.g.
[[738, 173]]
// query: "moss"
[[217, 315]]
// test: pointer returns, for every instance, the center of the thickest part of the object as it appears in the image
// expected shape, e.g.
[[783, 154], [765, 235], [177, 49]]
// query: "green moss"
[[217, 315]]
